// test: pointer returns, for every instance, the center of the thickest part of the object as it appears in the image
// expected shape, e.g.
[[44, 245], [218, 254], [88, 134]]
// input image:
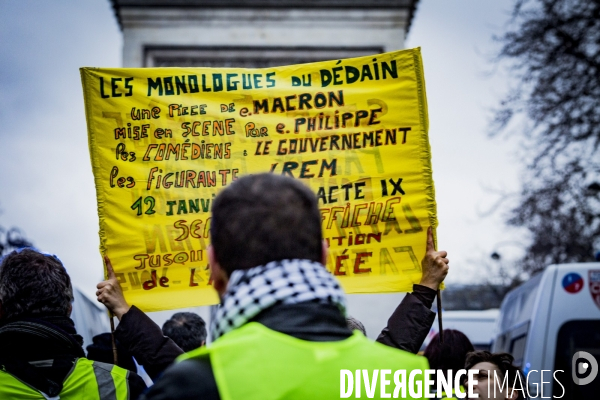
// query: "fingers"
[[439, 264], [109, 268], [441, 258], [442, 265], [104, 287], [430, 244], [106, 301], [434, 264], [101, 296]]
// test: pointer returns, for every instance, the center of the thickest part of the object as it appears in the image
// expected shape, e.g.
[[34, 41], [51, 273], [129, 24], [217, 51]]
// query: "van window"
[[518, 349], [514, 342], [517, 306], [575, 336]]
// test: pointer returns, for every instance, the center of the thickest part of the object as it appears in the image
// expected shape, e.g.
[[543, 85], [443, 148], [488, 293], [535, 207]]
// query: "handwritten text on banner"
[[164, 141]]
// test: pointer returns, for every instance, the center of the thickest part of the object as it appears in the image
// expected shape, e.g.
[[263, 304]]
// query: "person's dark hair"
[[101, 350], [263, 218], [354, 324], [503, 361], [448, 355], [187, 330], [34, 284]]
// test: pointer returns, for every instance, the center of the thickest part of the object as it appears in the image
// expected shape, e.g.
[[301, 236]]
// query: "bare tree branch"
[[553, 49]]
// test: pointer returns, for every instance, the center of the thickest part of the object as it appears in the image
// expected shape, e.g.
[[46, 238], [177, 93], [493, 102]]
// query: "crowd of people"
[[280, 332]]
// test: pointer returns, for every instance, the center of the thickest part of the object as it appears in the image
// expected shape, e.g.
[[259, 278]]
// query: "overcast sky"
[[46, 182]]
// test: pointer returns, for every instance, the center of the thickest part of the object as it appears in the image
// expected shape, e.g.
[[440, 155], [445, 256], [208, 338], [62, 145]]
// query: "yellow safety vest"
[[257, 363], [87, 380]]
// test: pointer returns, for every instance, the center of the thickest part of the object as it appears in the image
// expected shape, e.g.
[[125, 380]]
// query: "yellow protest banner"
[[165, 141]]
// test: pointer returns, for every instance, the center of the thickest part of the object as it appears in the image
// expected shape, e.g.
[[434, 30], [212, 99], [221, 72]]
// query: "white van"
[[477, 325], [548, 319]]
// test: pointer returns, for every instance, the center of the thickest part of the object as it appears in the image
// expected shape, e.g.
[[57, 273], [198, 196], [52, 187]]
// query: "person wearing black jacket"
[[41, 354], [318, 319]]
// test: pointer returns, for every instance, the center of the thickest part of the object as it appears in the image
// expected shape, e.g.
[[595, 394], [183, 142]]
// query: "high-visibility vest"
[[254, 362], [87, 380]]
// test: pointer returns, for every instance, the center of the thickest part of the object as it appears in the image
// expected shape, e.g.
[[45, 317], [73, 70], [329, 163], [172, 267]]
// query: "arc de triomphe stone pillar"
[[258, 33]]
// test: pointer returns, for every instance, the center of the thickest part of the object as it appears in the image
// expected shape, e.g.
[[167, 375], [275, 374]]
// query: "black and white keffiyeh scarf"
[[253, 290]]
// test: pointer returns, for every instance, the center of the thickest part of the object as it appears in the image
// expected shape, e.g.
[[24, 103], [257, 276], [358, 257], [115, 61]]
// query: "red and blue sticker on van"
[[572, 282], [594, 276]]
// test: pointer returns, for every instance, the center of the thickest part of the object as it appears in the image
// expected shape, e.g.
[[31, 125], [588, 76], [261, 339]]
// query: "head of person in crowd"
[[355, 324], [497, 376], [186, 329], [102, 350], [34, 285], [263, 218], [36, 298], [449, 355]]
